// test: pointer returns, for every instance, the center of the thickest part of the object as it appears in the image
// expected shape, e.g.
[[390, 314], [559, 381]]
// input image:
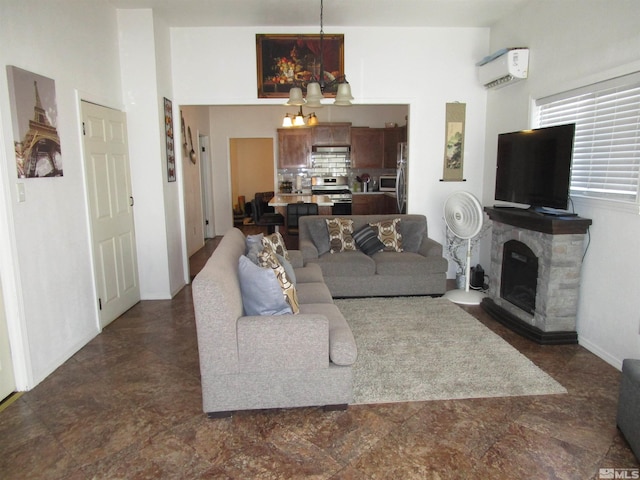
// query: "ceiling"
[[409, 13]]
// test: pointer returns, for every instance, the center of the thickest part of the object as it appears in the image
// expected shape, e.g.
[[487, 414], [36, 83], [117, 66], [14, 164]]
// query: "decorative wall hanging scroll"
[[454, 143]]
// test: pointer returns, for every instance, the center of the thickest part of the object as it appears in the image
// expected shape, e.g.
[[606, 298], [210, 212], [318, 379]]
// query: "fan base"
[[463, 297]]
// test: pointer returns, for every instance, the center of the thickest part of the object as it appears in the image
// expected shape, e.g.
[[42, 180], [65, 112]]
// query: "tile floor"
[[128, 406]]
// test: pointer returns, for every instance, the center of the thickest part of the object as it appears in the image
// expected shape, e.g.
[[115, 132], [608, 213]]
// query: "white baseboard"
[[593, 348]]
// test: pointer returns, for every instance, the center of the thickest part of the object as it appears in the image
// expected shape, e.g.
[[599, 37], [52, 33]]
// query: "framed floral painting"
[[289, 60]]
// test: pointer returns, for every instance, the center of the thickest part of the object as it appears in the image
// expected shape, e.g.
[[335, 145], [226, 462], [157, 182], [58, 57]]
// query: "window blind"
[[606, 154]]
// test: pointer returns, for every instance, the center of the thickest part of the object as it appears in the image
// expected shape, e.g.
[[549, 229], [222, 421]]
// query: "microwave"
[[387, 183]]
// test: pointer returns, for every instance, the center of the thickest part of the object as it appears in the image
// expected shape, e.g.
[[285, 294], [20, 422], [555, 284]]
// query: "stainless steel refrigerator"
[[401, 177]]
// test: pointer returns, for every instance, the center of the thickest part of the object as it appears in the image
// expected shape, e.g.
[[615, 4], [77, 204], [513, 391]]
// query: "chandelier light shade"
[[314, 95], [295, 97], [344, 97], [287, 122]]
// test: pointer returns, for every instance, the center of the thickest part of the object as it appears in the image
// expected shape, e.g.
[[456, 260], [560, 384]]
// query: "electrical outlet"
[[21, 192]]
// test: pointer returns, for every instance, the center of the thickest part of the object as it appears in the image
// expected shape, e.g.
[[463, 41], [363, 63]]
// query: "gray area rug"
[[423, 348]]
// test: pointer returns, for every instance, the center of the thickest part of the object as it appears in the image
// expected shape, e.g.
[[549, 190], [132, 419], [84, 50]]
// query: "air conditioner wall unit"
[[504, 67]]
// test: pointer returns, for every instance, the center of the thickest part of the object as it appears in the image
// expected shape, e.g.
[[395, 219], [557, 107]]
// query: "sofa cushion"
[[405, 263], [276, 242], [412, 234], [253, 246], [342, 344], [367, 240], [269, 259], [313, 292], [288, 268], [261, 290], [340, 235], [350, 263], [388, 234], [319, 235], [310, 273]]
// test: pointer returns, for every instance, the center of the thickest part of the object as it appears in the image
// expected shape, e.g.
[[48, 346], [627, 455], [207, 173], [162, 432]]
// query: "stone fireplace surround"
[[558, 243]]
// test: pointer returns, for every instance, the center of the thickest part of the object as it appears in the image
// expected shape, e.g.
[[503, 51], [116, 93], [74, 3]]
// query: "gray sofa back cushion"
[[413, 228]]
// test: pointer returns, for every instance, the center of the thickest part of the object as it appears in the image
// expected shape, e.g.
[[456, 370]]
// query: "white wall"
[[157, 218], [172, 191], [44, 242], [421, 67], [571, 47]]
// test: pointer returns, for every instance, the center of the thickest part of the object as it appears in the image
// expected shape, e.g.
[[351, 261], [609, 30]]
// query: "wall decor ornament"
[[454, 143], [288, 60], [168, 130], [34, 115]]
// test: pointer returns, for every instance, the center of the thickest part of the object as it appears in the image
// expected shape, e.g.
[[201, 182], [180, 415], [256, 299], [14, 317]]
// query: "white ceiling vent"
[[503, 67]]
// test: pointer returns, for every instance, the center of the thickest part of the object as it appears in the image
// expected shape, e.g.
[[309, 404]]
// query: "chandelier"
[[315, 88]]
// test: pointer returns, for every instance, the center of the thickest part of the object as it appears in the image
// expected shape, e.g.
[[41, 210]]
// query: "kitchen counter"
[[388, 194], [283, 199]]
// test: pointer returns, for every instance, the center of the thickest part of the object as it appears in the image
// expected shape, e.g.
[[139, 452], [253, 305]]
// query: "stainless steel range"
[[337, 189]]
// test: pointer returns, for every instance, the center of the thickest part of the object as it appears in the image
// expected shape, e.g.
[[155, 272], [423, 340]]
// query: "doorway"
[[252, 170]]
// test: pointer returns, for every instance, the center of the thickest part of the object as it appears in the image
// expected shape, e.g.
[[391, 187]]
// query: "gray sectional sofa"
[[268, 361], [419, 269]]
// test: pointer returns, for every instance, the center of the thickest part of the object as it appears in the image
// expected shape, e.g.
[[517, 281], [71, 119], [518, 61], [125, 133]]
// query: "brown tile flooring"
[[128, 406]]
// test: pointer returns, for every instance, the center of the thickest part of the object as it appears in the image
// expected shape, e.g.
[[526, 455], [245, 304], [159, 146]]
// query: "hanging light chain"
[[321, 79]]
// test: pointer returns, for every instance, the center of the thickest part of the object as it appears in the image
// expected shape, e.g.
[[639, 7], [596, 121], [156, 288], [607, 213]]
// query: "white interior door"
[[106, 155], [7, 380]]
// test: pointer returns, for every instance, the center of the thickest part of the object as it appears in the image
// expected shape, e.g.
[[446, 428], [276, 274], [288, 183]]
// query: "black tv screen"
[[534, 166]]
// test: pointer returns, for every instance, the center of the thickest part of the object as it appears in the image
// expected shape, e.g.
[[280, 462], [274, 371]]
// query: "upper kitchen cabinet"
[[332, 134], [393, 136], [367, 147], [294, 147]]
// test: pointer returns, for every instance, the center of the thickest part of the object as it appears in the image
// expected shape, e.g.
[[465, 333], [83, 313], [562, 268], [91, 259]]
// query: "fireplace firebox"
[[519, 276]]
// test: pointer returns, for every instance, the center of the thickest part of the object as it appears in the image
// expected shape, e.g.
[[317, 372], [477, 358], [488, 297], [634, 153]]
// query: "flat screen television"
[[534, 167]]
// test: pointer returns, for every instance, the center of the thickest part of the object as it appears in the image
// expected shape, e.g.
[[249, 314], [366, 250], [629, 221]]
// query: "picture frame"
[[169, 137], [288, 60], [34, 115]]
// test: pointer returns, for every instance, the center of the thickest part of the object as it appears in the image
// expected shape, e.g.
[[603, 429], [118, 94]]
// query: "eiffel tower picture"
[[38, 153]]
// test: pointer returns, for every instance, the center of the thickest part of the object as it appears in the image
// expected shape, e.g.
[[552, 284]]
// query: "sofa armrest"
[[283, 342], [308, 250], [430, 248]]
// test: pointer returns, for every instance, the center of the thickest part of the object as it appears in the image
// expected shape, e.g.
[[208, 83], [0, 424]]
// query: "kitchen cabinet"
[[332, 134], [373, 204], [367, 204], [389, 204], [367, 147], [393, 136], [294, 147]]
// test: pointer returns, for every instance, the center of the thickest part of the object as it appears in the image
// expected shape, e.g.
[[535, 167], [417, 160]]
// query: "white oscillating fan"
[[464, 217]]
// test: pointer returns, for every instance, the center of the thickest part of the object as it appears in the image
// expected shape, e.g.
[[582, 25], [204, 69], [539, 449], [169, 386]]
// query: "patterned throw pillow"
[[276, 242], [389, 234], [367, 240], [340, 234], [268, 259]]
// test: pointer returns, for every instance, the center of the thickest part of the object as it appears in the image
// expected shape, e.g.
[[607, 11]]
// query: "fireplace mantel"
[[538, 222], [558, 244]]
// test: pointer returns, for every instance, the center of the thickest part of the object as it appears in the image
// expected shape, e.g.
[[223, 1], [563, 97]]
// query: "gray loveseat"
[[419, 269], [268, 361]]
